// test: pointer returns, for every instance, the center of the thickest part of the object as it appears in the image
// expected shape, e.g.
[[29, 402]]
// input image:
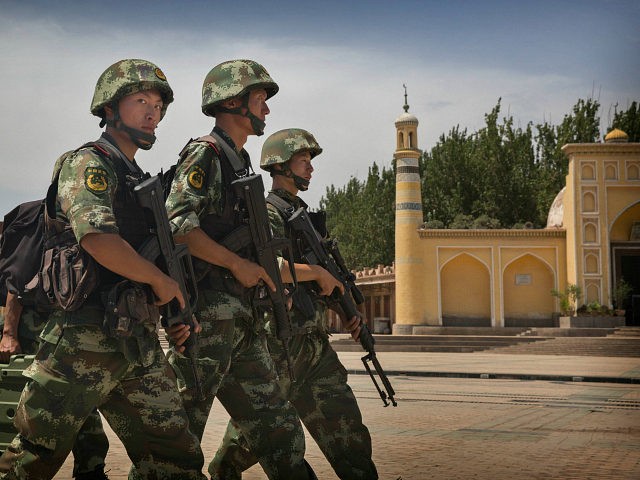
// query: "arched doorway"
[[465, 292], [527, 283], [625, 256]]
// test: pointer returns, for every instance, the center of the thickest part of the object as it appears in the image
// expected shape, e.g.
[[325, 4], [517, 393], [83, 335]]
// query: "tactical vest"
[[301, 323], [131, 219], [219, 226]]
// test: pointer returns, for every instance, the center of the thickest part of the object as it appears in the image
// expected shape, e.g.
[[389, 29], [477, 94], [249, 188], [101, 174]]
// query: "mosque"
[[504, 278]]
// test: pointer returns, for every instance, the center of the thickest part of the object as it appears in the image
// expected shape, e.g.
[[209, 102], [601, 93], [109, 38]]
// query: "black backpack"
[[21, 247], [23, 243]]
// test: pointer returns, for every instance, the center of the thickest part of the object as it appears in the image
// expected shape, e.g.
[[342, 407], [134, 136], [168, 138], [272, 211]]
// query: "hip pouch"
[[69, 274], [128, 304]]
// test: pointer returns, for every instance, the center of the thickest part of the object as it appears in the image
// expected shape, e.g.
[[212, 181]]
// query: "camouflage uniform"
[[79, 366], [234, 364], [323, 399], [91, 445]]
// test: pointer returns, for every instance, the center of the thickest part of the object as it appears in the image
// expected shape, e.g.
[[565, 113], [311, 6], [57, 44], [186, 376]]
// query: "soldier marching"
[[98, 346]]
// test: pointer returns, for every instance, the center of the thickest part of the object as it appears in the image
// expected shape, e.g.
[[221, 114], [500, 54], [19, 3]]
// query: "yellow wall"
[[605, 186], [472, 273], [622, 226], [466, 288], [527, 283], [506, 276]]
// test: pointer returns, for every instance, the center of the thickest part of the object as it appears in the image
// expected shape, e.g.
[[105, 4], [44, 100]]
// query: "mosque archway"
[[527, 283], [466, 292], [625, 255]]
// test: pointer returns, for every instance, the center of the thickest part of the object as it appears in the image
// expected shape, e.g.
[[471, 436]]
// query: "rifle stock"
[[325, 253]]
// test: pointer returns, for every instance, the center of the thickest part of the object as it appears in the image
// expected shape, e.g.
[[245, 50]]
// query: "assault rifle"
[[175, 261], [250, 190], [325, 252]]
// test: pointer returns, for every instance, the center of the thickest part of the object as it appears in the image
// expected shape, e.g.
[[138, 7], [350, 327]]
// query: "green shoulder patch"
[[96, 180]]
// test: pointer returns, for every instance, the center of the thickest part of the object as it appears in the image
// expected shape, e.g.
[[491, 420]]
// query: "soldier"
[[21, 327], [234, 364], [323, 399], [81, 363]]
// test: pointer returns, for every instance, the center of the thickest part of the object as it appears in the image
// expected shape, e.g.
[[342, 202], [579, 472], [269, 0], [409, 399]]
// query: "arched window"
[[590, 233], [611, 172], [589, 202], [591, 264], [587, 172]]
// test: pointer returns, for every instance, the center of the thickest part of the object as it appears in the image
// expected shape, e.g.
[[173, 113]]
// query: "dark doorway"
[[627, 265]]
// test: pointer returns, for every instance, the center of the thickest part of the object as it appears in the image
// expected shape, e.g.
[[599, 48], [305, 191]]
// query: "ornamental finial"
[[406, 105]]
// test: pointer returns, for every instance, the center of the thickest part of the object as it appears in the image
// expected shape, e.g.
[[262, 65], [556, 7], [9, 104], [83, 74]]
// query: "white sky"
[[340, 67]]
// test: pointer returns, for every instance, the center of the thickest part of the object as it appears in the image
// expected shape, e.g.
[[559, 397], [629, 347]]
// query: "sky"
[[341, 67]]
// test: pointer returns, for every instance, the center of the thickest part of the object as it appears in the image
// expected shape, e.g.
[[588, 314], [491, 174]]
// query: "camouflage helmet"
[[232, 79], [126, 77], [284, 144]]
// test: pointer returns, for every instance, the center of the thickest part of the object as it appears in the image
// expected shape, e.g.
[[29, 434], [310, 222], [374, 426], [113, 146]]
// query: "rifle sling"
[[239, 166]]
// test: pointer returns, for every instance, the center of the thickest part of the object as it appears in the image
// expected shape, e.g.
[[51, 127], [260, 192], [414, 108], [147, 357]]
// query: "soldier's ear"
[[231, 103], [108, 111]]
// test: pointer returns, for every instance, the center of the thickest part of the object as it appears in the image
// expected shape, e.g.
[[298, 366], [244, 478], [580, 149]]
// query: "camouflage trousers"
[[91, 445], [234, 365], [326, 405], [140, 403]]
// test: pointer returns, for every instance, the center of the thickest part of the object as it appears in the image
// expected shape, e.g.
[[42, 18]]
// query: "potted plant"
[[568, 299], [620, 293]]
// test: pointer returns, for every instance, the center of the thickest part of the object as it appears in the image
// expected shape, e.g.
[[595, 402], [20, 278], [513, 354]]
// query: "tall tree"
[[580, 126], [361, 217], [628, 121]]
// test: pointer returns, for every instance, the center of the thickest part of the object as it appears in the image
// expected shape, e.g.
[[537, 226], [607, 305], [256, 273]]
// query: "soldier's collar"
[[294, 200], [230, 141]]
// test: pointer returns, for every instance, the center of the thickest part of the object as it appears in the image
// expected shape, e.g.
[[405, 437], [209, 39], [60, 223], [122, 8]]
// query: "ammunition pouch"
[[68, 274], [126, 305]]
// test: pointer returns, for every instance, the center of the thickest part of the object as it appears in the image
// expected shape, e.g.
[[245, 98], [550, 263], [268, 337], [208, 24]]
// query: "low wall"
[[591, 322]]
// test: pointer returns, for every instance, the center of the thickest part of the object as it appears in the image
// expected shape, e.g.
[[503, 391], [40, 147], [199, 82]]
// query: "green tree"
[[361, 217], [628, 121], [580, 126], [501, 176]]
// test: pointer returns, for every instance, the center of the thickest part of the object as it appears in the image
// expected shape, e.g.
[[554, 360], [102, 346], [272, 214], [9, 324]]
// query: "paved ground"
[[484, 416]]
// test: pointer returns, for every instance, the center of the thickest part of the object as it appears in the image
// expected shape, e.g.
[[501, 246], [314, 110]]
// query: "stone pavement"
[[483, 416]]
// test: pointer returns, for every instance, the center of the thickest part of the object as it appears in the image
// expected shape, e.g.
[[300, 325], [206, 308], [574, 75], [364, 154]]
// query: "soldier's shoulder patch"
[[96, 179], [196, 177]]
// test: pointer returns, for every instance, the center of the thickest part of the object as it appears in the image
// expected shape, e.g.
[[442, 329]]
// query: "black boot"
[[97, 474], [310, 472]]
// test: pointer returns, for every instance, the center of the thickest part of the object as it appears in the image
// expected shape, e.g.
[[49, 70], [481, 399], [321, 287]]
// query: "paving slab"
[[485, 428]]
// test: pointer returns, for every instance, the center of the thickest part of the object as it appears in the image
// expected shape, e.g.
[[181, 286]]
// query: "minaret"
[[408, 265]]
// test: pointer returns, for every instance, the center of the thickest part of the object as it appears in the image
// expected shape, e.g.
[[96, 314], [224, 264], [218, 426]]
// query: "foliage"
[[568, 299], [621, 292], [361, 216], [595, 309], [501, 176], [628, 121]]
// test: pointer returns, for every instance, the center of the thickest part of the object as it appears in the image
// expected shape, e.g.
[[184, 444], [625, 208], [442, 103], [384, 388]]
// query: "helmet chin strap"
[[301, 184], [141, 139], [257, 125]]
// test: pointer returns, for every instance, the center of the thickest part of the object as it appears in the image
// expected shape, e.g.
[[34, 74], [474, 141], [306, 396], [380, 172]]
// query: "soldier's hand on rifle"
[[9, 345], [179, 333], [166, 289], [249, 274], [327, 282], [353, 327]]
